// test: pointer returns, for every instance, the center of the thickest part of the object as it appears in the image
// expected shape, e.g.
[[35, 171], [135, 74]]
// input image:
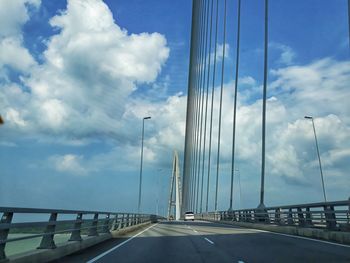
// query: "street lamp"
[[318, 154], [143, 128]]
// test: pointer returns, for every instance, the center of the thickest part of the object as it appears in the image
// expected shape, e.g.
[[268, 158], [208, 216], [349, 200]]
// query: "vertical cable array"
[[206, 102], [201, 87], [198, 104], [212, 104], [195, 102], [203, 66], [204, 114], [201, 74], [190, 114], [220, 110], [209, 18]]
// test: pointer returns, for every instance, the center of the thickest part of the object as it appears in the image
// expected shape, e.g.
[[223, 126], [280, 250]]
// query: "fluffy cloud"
[[318, 89], [219, 52], [13, 117], [13, 14], [14, 55], [96, 47], [163, 133], [286, 53], [84, 88], [91, 66], [68, 163]]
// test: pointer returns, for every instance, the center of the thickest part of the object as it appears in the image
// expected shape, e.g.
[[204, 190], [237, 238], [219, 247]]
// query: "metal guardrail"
[[100, 222], [327, 215]]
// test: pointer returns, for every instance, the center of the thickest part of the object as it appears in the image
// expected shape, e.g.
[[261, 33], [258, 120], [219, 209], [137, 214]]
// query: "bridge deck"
[[211, 242]]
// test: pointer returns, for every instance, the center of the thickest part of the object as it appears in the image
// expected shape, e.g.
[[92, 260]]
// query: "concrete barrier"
[[323, 234], [64, 249]]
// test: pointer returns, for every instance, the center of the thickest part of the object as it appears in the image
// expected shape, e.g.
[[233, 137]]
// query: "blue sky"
[[76, 79]]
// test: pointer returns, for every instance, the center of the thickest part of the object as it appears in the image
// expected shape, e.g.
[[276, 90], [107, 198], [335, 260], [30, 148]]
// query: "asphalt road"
[[211, 242]]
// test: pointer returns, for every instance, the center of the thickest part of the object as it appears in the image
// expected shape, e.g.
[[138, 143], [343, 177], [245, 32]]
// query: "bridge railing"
[[86, 223], [327, 215]]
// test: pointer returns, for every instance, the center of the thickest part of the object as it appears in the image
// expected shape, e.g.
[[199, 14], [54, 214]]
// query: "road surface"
[[210, 242]]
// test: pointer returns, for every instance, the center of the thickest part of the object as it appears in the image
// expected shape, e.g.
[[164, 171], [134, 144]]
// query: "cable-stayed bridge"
[[308, 232]]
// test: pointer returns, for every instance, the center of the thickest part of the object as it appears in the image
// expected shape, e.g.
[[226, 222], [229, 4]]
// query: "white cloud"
[[163, 133], [220, 48], [286, 56], [166, 129], [13, 14], [219, 52], [319, 89], [68, 163], [96, 45], [91, 66], [247, 80], [336, 157], [83, 88], [13, 117], [55, 113], [13, 54]]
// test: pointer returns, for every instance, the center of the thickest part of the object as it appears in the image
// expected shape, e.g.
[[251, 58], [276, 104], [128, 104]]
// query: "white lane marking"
[[211, 242], [194, 230], [287, 235], [117, 246], [306, 238]]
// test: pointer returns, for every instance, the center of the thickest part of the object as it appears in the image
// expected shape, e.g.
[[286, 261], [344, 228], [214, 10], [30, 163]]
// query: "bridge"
[[306, 233], [301, 232]]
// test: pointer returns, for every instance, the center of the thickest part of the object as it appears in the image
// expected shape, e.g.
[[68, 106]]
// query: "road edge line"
[[283, 234], [119, 245]]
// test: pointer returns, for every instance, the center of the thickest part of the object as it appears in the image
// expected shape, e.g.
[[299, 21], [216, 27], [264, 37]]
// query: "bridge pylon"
[[175, 189]]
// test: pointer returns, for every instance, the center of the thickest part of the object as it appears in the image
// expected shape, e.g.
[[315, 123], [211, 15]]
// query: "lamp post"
[[140, 183], [318, 154]]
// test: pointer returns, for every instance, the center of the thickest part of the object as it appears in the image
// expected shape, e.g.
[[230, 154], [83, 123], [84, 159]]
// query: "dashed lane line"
[[211, 242]]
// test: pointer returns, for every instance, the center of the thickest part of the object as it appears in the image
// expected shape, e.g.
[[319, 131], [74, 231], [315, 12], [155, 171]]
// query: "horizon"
[[78, 77]]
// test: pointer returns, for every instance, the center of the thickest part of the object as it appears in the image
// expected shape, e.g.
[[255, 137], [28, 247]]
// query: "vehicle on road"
[[189, 216]]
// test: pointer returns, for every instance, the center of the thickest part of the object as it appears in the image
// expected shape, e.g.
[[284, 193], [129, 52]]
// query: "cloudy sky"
[[78, 76]]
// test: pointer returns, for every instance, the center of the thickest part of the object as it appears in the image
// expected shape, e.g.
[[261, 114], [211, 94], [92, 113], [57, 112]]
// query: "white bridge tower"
[[175, 191]]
